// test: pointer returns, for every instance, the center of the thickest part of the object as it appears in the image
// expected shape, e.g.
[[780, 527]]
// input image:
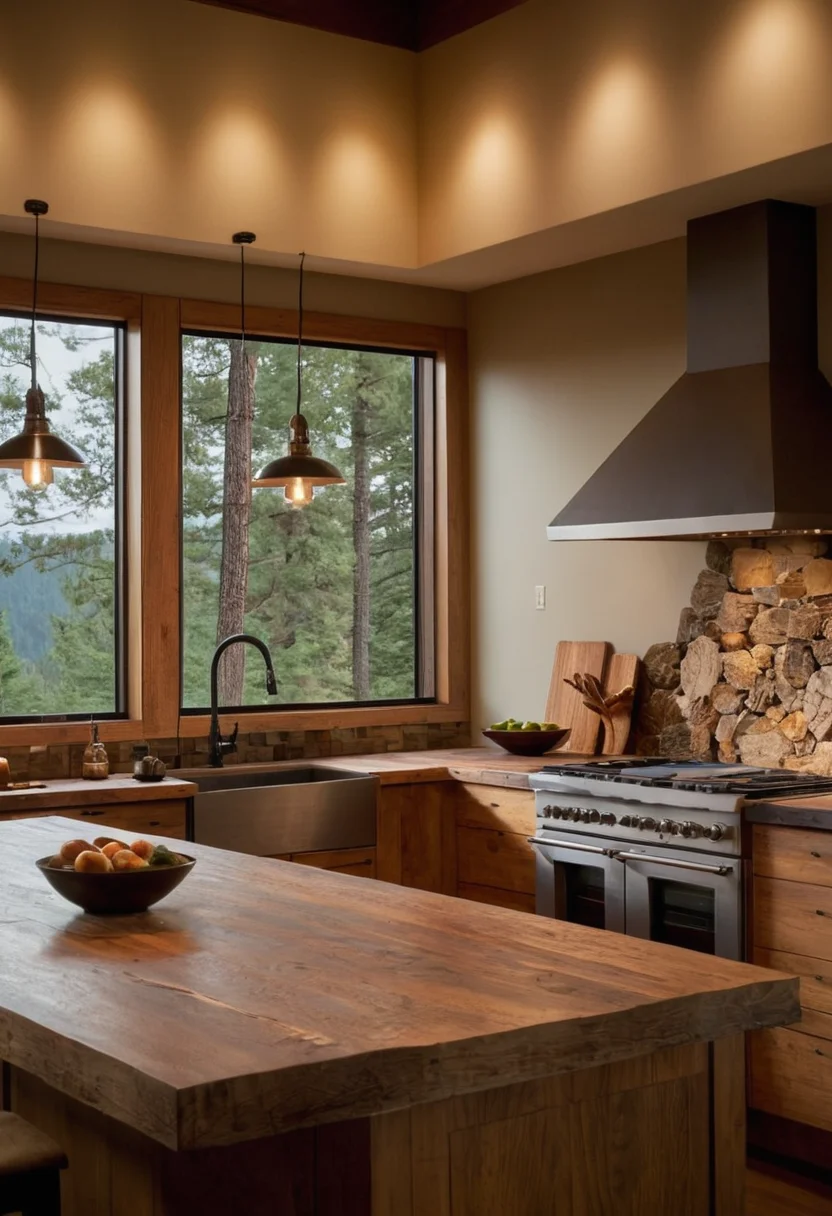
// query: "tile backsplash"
[[64, 760]]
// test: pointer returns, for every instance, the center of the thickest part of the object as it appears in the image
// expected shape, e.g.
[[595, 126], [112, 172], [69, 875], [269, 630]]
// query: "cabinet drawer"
[[815, 980], [793, 916], [489, 806], [495, 859], [133, 818], [793, 853], [361, 862], [791, 1076]]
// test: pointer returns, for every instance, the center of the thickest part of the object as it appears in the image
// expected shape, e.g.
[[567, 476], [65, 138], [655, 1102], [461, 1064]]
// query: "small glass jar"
[[95, 765]]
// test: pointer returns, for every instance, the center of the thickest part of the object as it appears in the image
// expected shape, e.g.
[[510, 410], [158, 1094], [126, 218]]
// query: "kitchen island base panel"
[[629, 1138]]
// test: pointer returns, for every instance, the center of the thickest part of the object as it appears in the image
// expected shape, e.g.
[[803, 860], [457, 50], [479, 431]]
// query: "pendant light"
[[300, 473], [36, 451]]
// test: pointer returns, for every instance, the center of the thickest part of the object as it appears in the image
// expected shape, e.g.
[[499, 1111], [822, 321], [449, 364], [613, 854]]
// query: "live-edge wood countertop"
[[73, 792], [262, 996], [810, 811]]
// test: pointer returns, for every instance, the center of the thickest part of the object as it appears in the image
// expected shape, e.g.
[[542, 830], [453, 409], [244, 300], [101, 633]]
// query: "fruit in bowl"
[[528, 738], [111, 876]]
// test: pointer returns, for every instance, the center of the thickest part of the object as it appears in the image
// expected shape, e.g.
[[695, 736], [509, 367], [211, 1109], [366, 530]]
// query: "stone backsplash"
[[749, 676], [40, 763]]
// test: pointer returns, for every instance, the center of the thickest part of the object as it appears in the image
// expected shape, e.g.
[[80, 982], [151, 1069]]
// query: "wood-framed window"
[[153, 512]]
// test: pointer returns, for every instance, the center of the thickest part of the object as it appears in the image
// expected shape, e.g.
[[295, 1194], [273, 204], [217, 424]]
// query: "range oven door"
[[684, 898], [580, 881]]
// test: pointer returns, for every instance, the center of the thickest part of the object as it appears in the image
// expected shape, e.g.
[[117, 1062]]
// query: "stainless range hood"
[[742, 442]]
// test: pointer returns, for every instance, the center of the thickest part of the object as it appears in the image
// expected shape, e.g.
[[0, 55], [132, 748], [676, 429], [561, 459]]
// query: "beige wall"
[[87, 265], [556, 112], [563, 365], [165, 118]]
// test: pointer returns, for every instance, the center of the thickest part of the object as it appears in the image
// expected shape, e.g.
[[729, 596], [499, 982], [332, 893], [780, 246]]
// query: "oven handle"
[[669, 861], [568, 844]]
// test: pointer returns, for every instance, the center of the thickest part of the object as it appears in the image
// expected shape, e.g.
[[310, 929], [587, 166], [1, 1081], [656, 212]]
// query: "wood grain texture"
[[509, 810], [263, 997], [161, 481], [564, 704], [798, 854], [815, 976], [793, 916], [416, 838], [791, 1076], [73, 792], [728, 1080], [63, 299], [495, 859], [813, 811], [622, 671], [630, 1138]]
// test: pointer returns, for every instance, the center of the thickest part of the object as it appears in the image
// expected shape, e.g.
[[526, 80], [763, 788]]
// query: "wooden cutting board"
[[622, 669], [564, 705]]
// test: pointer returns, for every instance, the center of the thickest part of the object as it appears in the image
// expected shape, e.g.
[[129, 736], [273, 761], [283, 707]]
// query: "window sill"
[[197, 725], [53, 734]]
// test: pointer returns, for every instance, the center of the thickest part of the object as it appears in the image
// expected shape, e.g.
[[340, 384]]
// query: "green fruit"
[[499, 725], [549, 726], [514, 725], [162, 856], [530, 726]]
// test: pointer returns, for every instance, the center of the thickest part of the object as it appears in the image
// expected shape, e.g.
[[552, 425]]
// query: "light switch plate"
[[540, 597]]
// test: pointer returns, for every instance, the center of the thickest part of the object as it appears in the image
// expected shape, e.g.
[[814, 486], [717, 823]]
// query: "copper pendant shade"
[[36, 451], [299, 473]]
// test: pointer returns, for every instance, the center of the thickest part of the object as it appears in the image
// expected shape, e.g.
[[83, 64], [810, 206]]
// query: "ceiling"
[[411, 24]]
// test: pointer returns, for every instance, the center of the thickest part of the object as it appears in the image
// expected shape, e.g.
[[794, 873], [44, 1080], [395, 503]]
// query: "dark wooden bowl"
[[116, 894], [528, 742]]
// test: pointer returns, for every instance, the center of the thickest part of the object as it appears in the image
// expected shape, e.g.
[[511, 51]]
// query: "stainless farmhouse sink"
[[286, 810]]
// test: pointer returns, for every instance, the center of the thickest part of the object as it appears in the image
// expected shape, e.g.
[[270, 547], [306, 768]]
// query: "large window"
[[59, 546], [341, 590]]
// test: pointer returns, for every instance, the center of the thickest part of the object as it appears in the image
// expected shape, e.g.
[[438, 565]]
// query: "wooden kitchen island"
[[278, 1039]]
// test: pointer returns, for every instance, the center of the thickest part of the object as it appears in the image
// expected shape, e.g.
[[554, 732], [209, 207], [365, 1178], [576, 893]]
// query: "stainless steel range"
[[651, 848]]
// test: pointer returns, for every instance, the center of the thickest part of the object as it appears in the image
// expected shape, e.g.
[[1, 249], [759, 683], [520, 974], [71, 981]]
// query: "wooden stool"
[[30, 1169]]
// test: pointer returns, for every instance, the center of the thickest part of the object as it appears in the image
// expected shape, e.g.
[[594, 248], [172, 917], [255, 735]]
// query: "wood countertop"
[[75, 792], [479, 765], [262, 996], [811, 811]]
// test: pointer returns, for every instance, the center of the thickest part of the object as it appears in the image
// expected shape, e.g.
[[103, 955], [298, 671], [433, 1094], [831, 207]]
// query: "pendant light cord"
[[32, 354], [243, 297], [300, 328]]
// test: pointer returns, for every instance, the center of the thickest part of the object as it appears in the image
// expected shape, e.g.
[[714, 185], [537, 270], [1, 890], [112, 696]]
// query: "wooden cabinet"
[[790, 1069], [416, 836], [495, 862], [152, 818]]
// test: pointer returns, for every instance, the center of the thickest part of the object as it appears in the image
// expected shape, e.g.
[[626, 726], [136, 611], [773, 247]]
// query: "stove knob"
[[647, 824], [548, 812], [594, 816], [691, 829], [715, 832], [586, 816], [628, 821], [666, 827], [608, 818]]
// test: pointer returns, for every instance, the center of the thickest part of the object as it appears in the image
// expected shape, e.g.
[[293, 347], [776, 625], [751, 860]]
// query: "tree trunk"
[[236, 518], [361, 543]]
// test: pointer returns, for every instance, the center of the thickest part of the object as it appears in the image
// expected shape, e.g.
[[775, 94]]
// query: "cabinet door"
[[791, 1076], [361, 862], [416, 841], [159, 818], [794, 854]]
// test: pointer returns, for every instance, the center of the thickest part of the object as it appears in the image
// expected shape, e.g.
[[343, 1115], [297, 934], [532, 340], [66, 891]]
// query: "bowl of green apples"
[[527, 738]]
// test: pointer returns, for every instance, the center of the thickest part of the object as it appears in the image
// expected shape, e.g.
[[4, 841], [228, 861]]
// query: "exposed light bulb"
[[299, 492], [38, 474]]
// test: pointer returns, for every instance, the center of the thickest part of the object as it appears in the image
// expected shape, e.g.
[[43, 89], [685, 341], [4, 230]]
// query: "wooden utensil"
[[564, 704], [622, 672]]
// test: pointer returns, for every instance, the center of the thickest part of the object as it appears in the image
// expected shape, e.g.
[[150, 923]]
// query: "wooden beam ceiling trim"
[[413, 25]]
